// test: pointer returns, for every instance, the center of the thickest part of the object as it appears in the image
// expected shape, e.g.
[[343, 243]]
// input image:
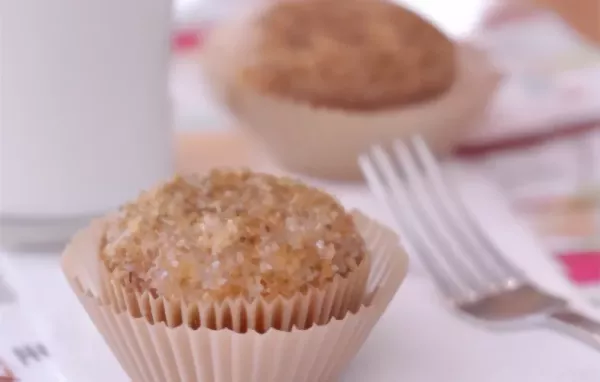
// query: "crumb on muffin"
[[350, 54], [230, 234]]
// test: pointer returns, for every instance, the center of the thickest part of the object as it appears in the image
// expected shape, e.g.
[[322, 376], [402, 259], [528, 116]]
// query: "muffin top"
[[230, 234], [350, 54]]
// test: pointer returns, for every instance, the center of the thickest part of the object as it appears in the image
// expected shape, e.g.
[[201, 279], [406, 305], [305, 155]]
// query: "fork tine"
[[481, 250], [387, 186], [440, 232]]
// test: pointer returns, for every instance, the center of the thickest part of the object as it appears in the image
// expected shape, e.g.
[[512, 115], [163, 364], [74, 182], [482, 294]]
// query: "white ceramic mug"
[[84, 107]]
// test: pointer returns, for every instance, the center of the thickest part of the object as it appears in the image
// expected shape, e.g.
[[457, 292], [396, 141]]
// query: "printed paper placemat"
[[24, 357], [555, 188], [552, 76]]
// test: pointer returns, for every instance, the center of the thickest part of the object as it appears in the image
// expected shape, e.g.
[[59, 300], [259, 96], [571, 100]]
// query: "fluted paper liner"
[[316, 306], [326, 142], [150, 348]]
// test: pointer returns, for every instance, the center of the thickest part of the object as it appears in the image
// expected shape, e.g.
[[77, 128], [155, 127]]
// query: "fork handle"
[[576, 325]]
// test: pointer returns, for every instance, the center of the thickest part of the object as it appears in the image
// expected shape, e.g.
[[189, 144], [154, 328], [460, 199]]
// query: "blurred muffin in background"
[[320, 80], [353, 55]]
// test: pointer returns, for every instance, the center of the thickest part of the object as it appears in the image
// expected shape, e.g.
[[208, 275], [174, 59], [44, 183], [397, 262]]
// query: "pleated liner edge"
[[152, 349]]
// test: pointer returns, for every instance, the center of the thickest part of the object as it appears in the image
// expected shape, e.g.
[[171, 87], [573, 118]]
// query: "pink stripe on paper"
[[582, 267], [188, 39]]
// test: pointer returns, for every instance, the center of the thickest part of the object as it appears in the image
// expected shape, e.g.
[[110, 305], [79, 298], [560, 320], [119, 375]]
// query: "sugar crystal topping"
[[231, 234]]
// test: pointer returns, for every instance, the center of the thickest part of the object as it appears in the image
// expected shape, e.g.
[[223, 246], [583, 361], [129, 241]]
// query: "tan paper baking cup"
[[153, 351], [326, 142], [316, 306]]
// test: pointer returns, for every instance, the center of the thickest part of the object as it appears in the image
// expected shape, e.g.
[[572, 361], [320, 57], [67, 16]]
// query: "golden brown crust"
[[231, 234], [351, 54]]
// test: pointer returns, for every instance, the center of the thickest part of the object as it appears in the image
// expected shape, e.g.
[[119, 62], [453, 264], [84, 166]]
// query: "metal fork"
[[469, 271]]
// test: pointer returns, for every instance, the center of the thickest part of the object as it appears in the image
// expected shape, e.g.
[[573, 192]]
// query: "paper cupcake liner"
[[155, 352], [326, 142], [316, 306]]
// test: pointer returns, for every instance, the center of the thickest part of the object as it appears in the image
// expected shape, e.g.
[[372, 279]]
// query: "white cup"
[[84, 108]]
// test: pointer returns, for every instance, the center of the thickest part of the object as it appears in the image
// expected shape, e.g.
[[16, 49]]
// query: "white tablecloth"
[[418, 339]]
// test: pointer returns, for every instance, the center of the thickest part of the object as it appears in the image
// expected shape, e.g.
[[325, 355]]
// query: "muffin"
[[239, 235], [353, 55], [331, 77], [201, 278]]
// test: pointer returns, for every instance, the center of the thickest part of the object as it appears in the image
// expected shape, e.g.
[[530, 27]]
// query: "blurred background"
[[101, 99]]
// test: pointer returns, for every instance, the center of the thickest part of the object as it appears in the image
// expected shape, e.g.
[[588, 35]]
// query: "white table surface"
[[417, 340]]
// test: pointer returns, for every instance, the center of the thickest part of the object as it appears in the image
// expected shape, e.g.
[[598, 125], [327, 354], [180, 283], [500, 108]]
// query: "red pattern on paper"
[[583, 268], [188, 39], [522, 142]]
